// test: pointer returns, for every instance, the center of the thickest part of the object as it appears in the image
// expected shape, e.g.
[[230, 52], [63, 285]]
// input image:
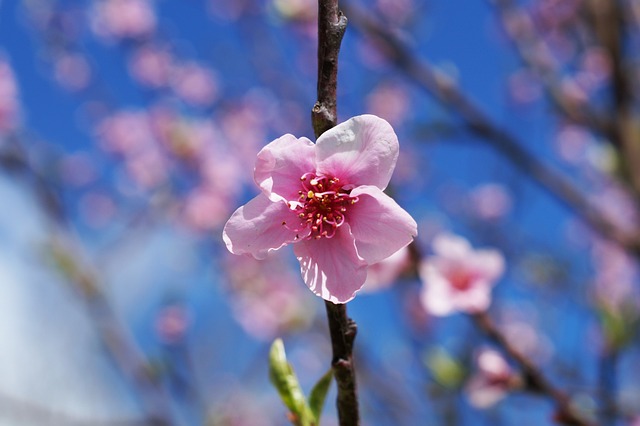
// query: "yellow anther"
[[310, 194]]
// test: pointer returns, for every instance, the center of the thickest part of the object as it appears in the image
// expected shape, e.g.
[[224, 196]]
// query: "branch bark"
[[331, 27], [534, 380]]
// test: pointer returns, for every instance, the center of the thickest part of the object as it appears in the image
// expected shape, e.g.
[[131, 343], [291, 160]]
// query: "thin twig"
[[447, 92], [331, 27]]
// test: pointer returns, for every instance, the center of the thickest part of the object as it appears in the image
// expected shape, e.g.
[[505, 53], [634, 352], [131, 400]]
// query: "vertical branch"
[[343, 332], [331, 27]]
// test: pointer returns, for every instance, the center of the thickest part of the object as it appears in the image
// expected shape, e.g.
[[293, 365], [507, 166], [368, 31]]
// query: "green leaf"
[[319, 393], [285, 381], [445, 370]]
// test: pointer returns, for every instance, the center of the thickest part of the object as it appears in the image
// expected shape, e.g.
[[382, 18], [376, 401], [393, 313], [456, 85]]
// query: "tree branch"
[[534, 380], [447, 92], [331, 27]]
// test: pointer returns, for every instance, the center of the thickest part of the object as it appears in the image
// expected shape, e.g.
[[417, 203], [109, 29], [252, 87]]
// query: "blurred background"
[[128, 135]]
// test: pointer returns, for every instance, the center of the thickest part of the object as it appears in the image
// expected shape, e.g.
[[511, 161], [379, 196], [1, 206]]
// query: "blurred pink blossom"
[[9, 105], [458, 278], [77, 169], [194, 84], [72, 71], [490, 201], [266, 298], [572, 142], [172, 323], [524, 86], [492, 380], [97, 209], [327, 200], [397, 11], [615, 276], [151, 66], [389, 101], [301, 11], [125, 132], [205, 208], [123, 19], [383, 274]]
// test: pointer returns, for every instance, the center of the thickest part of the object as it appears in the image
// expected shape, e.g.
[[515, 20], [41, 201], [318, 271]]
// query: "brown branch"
[[534, 380], [343, 332], [446, 91], [331, 27], [607, 17]]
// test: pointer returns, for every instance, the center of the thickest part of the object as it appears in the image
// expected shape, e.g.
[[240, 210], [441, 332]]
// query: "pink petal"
[[331, 266], [451, 246], [489, 263], [380, 226], [257, 228], [280, 165], [361, 151], [475, 299], [436, 296]]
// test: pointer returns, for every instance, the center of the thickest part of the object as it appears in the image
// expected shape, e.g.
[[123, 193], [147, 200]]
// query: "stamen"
[[322, 205]]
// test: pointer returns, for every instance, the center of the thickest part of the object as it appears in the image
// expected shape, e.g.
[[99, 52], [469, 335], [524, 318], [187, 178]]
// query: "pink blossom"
[[72, 71], [492, 380], [9, 105], [151, 66], [327, 199], [124, 19], [457, 277], [195, 84], [490, 201], [265, 299]]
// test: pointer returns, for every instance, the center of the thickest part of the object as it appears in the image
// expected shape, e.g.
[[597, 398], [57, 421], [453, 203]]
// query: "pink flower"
[[492, 380], [458, 278], [327, 199]]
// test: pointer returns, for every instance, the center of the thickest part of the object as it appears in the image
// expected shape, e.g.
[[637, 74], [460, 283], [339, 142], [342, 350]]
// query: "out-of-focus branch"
[[536, 54], [447, 92], [534, 380], [331, 27], [32, 413], [608, 21], [120, 346]]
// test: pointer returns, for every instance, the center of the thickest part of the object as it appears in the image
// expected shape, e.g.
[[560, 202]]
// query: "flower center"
[[322, 205]]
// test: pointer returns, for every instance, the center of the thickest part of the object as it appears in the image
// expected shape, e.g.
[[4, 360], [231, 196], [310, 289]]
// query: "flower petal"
[[488, 263], [451, 246], [380, 226], [259, 227], [280, 165], [436, 296], [331, 266], [361, 151]]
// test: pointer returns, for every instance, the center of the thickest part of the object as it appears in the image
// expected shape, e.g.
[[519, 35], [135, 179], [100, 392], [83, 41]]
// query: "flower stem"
[[331, 27], [343, 332]]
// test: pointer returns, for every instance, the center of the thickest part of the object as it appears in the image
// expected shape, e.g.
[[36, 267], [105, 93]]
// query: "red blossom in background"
[[328, 199]]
